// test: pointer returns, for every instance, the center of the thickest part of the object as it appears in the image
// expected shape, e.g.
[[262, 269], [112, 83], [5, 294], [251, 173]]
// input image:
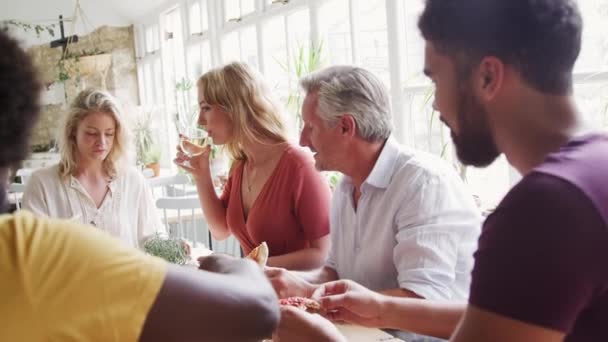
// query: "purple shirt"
[[543, 254]]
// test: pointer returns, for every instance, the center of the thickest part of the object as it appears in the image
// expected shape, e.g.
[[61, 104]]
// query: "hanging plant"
[[74, 65], [27, 27]]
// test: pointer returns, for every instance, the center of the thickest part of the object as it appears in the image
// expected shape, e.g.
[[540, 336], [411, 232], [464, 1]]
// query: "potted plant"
[[171, 249], [148, 151], [151, 158]]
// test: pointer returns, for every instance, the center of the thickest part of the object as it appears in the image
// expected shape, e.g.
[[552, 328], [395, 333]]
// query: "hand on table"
[[287, 284], [298, 325], [347, 301]]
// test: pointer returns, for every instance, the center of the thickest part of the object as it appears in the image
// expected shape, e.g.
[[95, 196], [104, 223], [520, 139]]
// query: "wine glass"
[[198, 139]]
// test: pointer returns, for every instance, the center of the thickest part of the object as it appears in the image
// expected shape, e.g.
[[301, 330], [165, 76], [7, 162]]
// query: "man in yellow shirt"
[[60, 281]]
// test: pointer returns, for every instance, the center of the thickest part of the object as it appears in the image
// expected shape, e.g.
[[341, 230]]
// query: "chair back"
[[16, 190], [169, 186], [183, 218], [24, 174]]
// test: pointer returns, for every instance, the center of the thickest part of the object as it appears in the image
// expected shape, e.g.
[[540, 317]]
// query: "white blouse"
[[127, 212]]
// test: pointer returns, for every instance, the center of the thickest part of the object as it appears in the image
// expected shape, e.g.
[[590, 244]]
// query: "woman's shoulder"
[[46, 174], [132, 173], [298, 156], [131, 176]]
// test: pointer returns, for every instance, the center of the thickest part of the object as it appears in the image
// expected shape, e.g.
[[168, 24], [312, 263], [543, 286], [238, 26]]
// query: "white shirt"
[[415, 227], [128, 211]]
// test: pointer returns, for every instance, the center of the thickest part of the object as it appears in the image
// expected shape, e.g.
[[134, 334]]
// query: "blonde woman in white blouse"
[[92, 183]]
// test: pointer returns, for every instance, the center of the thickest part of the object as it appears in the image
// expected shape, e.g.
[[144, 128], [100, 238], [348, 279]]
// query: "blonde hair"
[[254, 113], [92, 101]]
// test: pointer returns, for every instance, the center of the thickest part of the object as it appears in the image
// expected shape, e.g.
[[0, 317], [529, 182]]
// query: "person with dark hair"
[[61, 280], [503, 77]]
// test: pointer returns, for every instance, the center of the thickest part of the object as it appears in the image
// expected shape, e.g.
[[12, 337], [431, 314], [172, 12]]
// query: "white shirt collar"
[[383, 170]]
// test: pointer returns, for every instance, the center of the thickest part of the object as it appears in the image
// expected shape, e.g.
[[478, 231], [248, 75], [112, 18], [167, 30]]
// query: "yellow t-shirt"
[[61, 281]]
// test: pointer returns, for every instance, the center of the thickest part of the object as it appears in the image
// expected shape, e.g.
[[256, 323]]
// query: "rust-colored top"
[[291, 210]]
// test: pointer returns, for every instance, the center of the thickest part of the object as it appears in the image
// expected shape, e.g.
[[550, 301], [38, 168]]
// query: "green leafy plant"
[[151, 155], [68, 66], [305, 61], [187, 111], [171, 250], [332, 177], [148, 151], [446, 146], [27, 27]]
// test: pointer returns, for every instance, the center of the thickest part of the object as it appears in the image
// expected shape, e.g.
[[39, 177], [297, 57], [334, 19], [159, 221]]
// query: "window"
[[194, 19], [241, 45], [351, 31], [151, 43], [141, 85], [235, 10], [173, 54], [275, 52], [373, 38], [336, 31]]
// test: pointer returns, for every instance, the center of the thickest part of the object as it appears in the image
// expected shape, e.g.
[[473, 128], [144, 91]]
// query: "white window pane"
[[414, 44], [151, 33], [149, 83], [175, 45], [299, 29], [489, 184], [206, 57], [230, 47], [231, 9], [373, 38], [158, 82], [247, 6], [336, 31], [141, 84], [195, 67], [275, 68], [428, 132], [249, 47], [156, 37], [194, 13], [594, 52], [592, 102], [204, 16]]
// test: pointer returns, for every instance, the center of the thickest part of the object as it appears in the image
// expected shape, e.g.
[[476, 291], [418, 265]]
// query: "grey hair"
[[352, 90]]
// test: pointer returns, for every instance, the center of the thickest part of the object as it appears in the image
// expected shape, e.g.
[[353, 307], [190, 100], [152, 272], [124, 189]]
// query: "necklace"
[[250, 178]]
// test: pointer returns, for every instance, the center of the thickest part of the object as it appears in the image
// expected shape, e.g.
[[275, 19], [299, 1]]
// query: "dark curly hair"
[[541, 39], [19, 103]]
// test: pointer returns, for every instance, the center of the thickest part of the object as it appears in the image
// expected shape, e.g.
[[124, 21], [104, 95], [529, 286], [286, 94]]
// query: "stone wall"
[[121, 79]]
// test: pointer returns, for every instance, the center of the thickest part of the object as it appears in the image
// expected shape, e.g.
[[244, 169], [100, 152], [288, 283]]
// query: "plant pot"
[[155, 167]]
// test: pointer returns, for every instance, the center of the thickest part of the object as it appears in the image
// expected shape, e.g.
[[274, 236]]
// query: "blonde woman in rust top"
[[273, 193]]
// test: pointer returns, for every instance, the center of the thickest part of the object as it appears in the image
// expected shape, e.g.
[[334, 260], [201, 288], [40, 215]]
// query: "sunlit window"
[[151, 33], [235, 10], [373, 38], [275, 52], [241, 45], [194, 17], [349, 31], [336, 31]]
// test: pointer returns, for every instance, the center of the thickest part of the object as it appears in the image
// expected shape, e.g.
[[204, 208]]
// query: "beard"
[[474, 143]]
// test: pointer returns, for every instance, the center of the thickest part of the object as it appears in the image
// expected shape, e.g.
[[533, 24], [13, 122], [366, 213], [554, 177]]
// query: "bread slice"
[[259, 254]]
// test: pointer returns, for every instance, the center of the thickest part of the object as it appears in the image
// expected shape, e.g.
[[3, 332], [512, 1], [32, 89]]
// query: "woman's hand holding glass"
[[193, 151]]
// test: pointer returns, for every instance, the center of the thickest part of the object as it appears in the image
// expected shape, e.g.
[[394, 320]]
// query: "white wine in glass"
[[197, 137]]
